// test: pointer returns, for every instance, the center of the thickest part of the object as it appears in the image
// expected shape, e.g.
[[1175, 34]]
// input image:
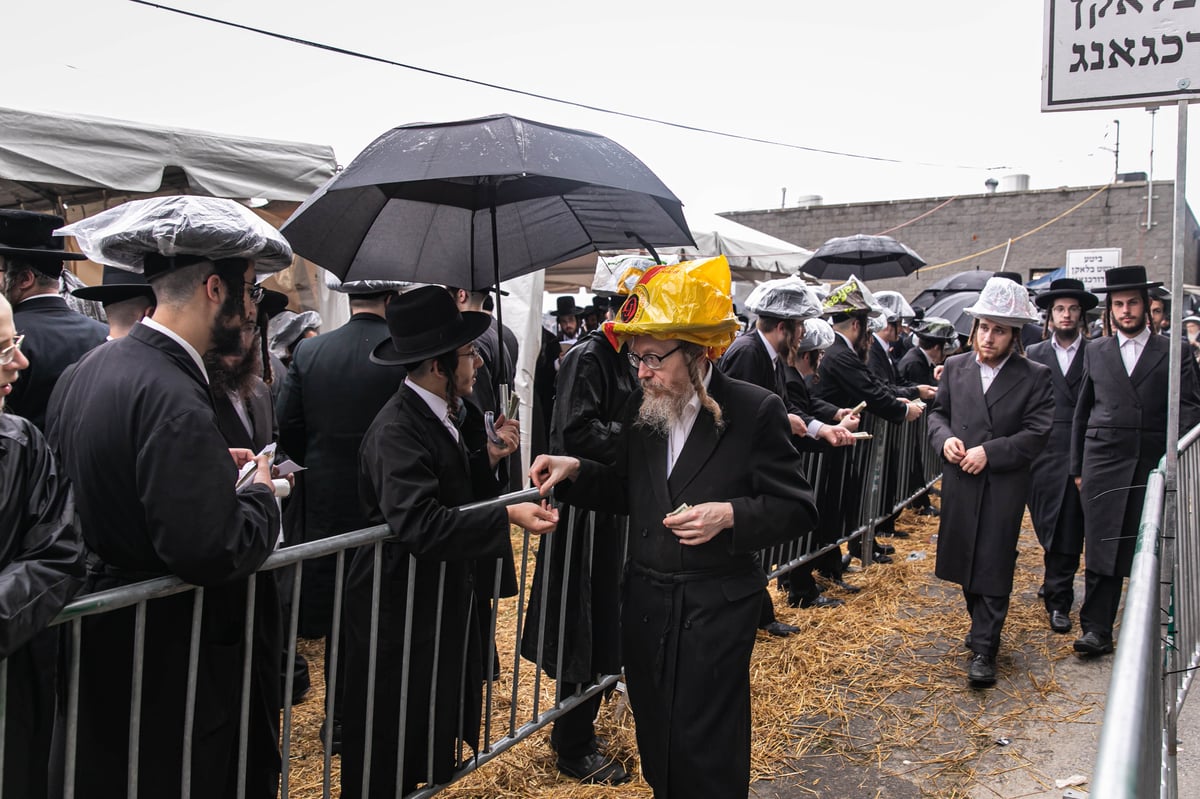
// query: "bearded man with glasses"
[[708, 475]]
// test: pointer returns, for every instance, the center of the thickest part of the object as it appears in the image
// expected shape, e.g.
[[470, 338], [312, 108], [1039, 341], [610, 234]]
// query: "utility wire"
[[919, 217], [573, 103]]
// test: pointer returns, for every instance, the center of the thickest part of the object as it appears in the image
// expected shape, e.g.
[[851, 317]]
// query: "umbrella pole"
[[501, 395]]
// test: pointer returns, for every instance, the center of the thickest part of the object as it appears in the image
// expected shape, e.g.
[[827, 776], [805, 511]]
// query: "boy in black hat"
[[1054, 502], [55, 336], [1118, 435], [424, 455], [126, 296]]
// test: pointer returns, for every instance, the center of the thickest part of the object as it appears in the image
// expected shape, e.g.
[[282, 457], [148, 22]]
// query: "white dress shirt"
[[178, 339], [677, 436], [439, 406], [988, 373], [1131, 348], [1065, 355], [815, 425]]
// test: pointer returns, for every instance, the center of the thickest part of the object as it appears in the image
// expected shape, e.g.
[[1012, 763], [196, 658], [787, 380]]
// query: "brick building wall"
[[972, 223]]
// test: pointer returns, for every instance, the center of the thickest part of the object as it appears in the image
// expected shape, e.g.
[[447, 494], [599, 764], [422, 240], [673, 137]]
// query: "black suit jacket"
[[916, 369], [1118, 434], [55, 338], [748, 360], [1053, 489], [879, 361], [844, 380]]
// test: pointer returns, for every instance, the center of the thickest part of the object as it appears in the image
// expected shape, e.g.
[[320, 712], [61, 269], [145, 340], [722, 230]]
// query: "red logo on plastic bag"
[[629, 309]]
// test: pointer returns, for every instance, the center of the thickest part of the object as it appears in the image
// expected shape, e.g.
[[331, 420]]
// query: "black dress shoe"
[[1060, 622], [845, 586], [336, 744], [981, 671], [821, 601], [882, 558], [780, 629], [884, 549], [929, 510], [594, 769], [899, 534], [1093, 643]]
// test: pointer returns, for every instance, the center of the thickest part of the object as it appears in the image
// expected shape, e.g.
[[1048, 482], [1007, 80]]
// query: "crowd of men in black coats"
[[110, 451]]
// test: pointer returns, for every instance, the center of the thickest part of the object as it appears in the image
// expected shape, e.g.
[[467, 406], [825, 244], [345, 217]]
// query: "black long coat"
[[413, 475], [329, 397], [1054, 504], [135, 431], [1118, 435], [880, 362], [981, 513], [41, 569], [595, 389], [55, 337], [689, 613], [915, 368]]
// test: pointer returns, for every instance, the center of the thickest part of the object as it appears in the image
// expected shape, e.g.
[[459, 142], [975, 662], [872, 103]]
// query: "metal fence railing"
[[883, 472], [1159, 649]]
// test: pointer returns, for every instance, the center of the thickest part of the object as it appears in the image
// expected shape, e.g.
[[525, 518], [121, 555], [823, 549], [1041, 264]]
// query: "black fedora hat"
[[565, 306], [116, 285], [425, 323], [31, 236], [1126, 278], [1067, 287]]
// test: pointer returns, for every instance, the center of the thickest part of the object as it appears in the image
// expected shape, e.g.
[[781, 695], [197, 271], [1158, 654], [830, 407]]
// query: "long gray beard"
[[659, 411]]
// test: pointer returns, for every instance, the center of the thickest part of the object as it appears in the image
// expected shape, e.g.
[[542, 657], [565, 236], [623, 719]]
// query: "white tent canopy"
[[752, 254], [48, 160]]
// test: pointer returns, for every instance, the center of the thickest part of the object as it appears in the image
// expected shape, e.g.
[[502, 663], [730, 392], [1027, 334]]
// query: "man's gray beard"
[[660, 410]]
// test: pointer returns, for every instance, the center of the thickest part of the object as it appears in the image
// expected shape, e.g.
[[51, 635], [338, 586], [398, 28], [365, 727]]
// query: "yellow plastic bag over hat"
[[688, 301]]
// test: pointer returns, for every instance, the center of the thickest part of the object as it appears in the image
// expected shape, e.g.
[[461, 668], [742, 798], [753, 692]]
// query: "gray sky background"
[[949, 87]]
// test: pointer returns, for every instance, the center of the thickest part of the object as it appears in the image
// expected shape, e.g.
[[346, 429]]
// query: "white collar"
[[436, 404], [1140, 338], [770, 350], [178, 339], [1074, 344], [992, 370]]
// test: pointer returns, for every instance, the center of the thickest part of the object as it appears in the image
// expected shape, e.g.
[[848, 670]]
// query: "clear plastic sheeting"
[[785, 298], [818, 335], [286, 328], [690, 301], [619, 274], [851, 297], [1004, 302], [935, 328], [184, 225], [366, 286], [897, 307]]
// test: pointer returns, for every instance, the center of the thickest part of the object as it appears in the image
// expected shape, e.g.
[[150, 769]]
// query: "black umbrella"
[[475, 202], [971, 280], [950, 307], [866, 257]]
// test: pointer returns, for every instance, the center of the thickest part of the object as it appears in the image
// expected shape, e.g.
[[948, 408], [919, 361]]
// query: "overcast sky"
[[948, 87]]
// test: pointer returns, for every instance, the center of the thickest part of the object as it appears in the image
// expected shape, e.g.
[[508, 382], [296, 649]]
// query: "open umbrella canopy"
[[950, 307], [473, 202], [867, 257], [970, 280]]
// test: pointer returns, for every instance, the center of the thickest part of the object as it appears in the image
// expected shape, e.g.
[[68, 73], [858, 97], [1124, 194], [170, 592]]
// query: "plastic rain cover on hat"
[[785, 298], [897, 307], [286, 328], [852, 296], [688, 301], [211, 227], [935, 327], [366, 286], [818, 335], [1004, 302], [619, 274]]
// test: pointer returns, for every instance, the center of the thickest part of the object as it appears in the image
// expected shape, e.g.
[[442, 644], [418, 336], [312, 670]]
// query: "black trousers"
[[987, 620], [1101, 597], [1059, 583], [574, 733]]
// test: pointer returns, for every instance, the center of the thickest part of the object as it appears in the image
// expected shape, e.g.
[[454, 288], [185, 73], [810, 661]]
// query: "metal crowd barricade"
[[503, 725], [1159, 649]]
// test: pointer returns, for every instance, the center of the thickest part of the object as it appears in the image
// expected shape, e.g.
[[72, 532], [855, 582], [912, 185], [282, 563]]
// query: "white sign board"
[[1101, 53], [1089, 266]]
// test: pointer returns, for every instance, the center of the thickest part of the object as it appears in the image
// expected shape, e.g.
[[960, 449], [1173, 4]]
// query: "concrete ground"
[[1040, 724]]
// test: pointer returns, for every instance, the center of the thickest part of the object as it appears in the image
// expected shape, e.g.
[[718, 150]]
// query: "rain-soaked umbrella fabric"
[[951, 307], [970, 280], [868, 257], [473, 202]]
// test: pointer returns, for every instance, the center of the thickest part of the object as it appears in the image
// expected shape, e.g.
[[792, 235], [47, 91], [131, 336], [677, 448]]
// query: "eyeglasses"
[[653, 362], [257, 292], [471, 353], [8, 353]]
